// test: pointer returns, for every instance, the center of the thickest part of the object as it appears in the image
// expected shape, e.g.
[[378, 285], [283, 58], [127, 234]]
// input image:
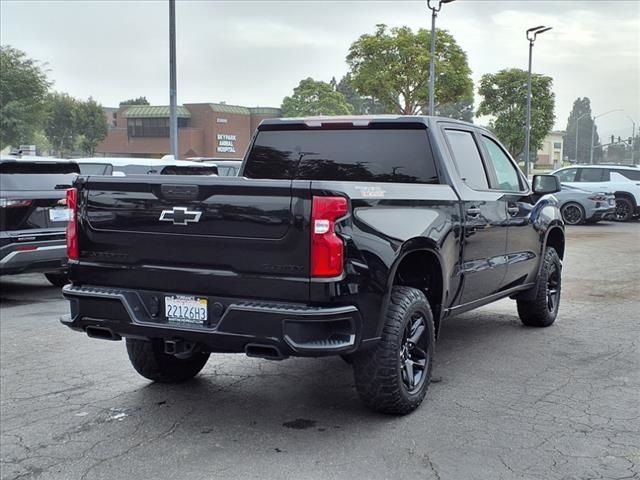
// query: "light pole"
[[593, 130], [577, 130], [633, 140], [173, 92], [532, 33], [432, 75]]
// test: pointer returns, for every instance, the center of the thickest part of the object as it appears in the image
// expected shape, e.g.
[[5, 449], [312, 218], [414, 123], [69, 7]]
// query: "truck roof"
[[360, 120]]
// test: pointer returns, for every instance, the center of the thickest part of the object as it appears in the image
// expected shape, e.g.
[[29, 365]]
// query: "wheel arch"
[[555, 238], [422, 269]]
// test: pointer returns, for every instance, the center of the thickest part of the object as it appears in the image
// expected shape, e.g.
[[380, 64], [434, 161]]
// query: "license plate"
[[59, 214], [184, 309]]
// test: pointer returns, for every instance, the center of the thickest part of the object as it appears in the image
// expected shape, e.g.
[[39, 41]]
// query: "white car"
[[622, 181], [121, 166]]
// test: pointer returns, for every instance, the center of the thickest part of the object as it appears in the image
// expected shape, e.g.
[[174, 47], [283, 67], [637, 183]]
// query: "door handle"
[[473, 211], [513, 211]]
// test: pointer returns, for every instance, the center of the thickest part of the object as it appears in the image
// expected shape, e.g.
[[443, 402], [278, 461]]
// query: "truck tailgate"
[[224, 236]]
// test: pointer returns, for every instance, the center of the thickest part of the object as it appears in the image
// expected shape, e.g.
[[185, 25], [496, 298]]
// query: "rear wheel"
[[393, 377], [57, 279], [150, 361], [572, 213], [540, 307], [624, 209]]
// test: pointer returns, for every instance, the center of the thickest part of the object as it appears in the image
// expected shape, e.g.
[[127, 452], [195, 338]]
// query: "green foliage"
[[360, 105], [91, 124], [135, 101], [312, 97], [392, 66], [581, 106], [505, 99], [60, 122], [23, 87]]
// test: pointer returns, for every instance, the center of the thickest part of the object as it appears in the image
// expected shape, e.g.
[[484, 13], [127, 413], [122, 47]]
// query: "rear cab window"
[[400, 155]]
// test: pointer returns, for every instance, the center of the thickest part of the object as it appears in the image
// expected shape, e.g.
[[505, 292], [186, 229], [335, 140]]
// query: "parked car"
[[623, 181], [119, 166], [579, 206], [226, 167], [349, 236], [33, 216]]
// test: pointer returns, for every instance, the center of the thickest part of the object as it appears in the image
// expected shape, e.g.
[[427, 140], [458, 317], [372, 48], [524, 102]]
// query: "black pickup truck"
[[342, 236]]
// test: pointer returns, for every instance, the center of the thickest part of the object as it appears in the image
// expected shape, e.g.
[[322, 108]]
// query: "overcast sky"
[[254, 53]]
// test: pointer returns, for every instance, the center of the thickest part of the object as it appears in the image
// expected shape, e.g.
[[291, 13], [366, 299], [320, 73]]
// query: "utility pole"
[[633, 141], [173, 91], [532, 33]]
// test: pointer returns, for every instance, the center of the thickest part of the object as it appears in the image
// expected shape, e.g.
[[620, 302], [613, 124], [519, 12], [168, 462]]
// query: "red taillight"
[[327, 249], [72, 227]]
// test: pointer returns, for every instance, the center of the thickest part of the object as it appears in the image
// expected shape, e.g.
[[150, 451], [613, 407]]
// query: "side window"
[[467, 159], [568, 175], [630, 174], [506, 173], [591, 175]]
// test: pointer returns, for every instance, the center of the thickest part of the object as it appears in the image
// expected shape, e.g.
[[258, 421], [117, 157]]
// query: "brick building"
[[204, 130]]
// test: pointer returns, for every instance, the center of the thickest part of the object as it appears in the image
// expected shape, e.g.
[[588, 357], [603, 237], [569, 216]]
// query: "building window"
[[152, 127], [557, 145]]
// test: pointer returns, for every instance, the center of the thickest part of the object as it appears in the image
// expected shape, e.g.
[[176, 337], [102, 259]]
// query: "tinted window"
[[630, 174], [592, 175], [506, 173], [568, 175], [24, 175], [374, 155], [467, 159]]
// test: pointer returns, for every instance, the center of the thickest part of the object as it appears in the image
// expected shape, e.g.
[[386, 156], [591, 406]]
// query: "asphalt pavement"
[[510, 402]]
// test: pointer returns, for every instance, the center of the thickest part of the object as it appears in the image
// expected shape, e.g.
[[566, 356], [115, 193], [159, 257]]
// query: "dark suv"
[[33, 216]]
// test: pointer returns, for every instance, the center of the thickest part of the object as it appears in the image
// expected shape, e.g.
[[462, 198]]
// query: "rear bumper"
[[234, 325], [35, 256], [601, 212]]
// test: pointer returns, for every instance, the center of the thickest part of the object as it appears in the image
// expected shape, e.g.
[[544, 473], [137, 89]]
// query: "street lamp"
[[593, 130], [577, 125], [532, 33], [432, 75]]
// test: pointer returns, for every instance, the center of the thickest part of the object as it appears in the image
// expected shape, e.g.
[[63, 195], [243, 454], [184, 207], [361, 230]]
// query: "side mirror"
[[545, 184]]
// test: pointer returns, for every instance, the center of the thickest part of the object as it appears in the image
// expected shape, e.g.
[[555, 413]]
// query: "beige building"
[[551, 154]]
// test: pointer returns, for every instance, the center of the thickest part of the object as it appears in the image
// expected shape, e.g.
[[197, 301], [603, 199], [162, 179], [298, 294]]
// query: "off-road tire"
[[572, 213], [377, 370], [57, 279], [534, 307], [624, 210], [150, 361]]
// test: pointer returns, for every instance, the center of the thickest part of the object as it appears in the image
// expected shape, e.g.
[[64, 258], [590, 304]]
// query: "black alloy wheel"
[[624, 210], [414, 355], [572, 214], [553, 289]]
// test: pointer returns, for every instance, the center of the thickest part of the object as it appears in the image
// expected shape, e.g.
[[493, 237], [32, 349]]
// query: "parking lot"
[[507, 402]]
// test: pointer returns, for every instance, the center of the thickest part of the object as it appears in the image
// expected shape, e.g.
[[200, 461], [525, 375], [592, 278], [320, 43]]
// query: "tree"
[[392, 66], [23, 87], [135, 101], [581, 106], [313, 97], [91, 124], [361, 105], [60, 122], [505, 99]]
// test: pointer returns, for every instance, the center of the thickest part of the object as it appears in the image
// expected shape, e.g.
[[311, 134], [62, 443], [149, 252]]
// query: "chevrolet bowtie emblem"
[[180, 216]]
